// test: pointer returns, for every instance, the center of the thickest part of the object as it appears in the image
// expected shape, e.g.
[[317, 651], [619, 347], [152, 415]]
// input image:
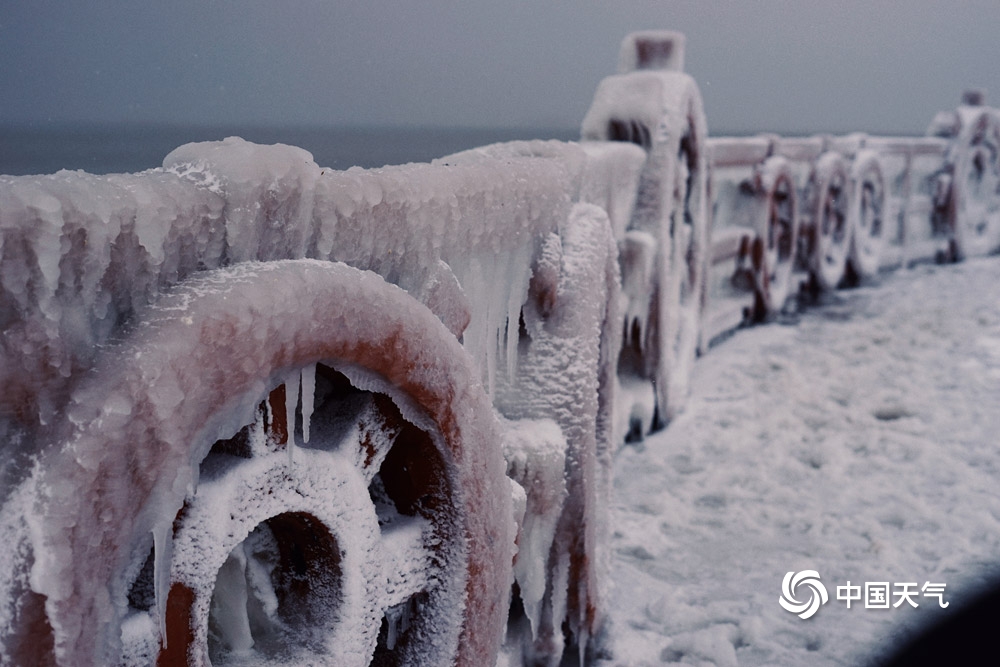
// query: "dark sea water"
[[104, 149]]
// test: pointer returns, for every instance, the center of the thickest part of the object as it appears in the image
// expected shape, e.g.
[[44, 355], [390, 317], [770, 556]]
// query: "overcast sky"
[[873, 65]]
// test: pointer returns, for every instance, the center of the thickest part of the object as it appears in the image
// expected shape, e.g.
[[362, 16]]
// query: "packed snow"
[[858, 441]]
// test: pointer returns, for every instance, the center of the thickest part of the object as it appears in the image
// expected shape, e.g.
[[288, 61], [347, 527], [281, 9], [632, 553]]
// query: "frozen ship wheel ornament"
[[395, 504], [867, 213], [652, 103], [830, 229], [773, 252], [973, 208]]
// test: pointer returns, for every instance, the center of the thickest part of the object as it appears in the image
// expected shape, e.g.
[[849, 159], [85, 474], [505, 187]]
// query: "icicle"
[[514, 301], [163, 546], [308, 396], [495, 287], [578, 625], [261, 551], [490, 333], [560, 593], [398, 621], [268, 412], [229, 603], [291, 402], [392, 616], [638, 283], [536, 462]]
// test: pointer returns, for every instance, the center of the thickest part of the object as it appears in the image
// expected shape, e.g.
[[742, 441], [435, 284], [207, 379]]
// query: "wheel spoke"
[[377, 426], [408, 562]]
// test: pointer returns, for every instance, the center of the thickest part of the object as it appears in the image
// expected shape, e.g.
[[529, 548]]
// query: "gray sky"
[[782, 65]]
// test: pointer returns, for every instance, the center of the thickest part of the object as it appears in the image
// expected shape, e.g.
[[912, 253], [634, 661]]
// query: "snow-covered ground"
[[860, 441]]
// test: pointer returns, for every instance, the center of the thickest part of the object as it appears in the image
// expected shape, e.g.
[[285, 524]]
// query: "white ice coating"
[[536, 459], [82, 254], [611, 180], [656, 99], [325, 486]]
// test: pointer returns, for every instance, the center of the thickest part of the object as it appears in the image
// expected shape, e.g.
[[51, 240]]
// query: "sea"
[[107, 149]]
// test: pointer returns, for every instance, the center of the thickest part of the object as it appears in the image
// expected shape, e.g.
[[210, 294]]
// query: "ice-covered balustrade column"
[[653, 104], [570, 314], [970, 208]]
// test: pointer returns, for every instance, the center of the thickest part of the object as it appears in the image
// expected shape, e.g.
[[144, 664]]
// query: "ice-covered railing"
[[910, 165], [852, 205], [85, 258], [82, 254]]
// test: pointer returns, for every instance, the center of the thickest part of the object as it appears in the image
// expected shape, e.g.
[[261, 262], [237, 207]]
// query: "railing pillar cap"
[[652, 50], [974, 97]]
